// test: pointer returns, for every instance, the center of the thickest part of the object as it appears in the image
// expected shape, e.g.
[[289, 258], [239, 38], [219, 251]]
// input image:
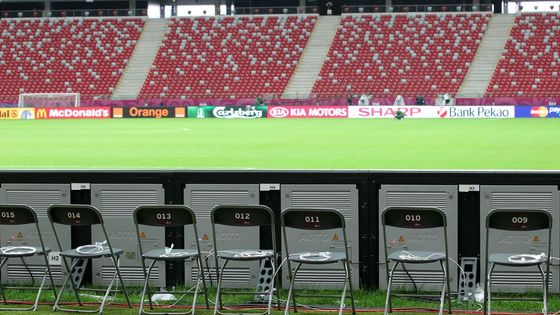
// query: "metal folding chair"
[[244, 216], [84, 215], [416, 218], [168, 216], [19, 215], [316, 219], [518, 221]]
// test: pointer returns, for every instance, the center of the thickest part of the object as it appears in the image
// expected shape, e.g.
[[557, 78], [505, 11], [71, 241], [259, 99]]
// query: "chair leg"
[[145, 289], [291, 296], [36, 304], [489, 292], [2, 263], [204, 287], [271, 289], [109, 287], [68, 278], [219, 289], [343, 296], [545, 291], [28, 271], [388, 308], [443, 289], [351, 287], [200, 278], [118, 270]]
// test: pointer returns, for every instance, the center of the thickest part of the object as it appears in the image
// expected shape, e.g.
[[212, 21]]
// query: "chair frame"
[[245, 221], [165, 210], [70, 220], [446, 286], [341, 224], [489, 269], [11, 215]]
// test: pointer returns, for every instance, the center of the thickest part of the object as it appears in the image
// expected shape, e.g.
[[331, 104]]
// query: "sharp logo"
[[539, 111], [442, 112], [279, 112]]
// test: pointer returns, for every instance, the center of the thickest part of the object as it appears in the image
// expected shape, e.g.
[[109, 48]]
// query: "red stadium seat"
[[529, 64], [388, 55], [85, 56], [246, 56]]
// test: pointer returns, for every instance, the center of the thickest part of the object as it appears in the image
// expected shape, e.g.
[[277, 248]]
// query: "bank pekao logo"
[[279, 112], [539, 111], [442, 112]]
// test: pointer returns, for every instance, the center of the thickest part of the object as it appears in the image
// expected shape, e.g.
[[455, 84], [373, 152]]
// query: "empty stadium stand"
[[242, 56], [529, 65], [78, 55], [392, 54]]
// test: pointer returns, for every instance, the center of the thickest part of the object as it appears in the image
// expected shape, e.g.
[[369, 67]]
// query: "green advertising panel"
[[244, 112]]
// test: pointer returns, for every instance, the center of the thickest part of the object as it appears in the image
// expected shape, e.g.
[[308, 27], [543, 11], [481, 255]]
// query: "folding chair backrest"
[[413, 218], [519, 220], [75, 215], [312, 219], [17, 215], [164, 215], [241, 215]]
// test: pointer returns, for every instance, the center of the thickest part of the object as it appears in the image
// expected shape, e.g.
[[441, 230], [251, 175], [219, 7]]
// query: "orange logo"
[[117, 112], [180, 112]]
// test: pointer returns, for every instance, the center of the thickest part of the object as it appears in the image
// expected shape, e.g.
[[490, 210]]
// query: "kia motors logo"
[[279, 112], [442, 112], [539, 111]]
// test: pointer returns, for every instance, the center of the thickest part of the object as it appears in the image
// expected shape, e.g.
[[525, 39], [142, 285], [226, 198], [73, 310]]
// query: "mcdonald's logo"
[[41, 114]]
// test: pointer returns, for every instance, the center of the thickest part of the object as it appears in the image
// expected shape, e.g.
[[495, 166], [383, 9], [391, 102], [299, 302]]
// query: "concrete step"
[[313, 57], [487, 56], [142, 59]]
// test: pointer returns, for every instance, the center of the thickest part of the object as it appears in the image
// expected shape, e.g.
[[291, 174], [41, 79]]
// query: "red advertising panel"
[[72, 112], [307, 112]]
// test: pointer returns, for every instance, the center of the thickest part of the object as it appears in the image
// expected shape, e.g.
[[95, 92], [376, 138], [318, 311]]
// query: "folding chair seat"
[[415, 218], [19, 215], [244, 216], [168, 216], [518, 221], [316, 219], [84, 215]]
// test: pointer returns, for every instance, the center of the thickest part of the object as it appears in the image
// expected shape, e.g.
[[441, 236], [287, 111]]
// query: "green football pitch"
[[270, 144]]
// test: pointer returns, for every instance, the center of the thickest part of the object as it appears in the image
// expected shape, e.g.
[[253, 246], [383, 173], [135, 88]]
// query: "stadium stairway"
[[487, 56], [313, 57], [142, 59]]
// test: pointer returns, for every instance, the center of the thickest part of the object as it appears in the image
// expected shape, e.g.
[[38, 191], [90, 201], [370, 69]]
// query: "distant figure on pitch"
[[329, 8]]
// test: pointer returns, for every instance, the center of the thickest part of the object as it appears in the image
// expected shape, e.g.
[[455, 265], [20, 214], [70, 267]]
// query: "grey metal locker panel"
[[202, 198], [428, 277], [39, 197], [117, 203], [520, 197], [343, 198]]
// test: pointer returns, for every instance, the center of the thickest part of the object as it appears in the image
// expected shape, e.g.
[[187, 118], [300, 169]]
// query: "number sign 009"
[[517, 220]]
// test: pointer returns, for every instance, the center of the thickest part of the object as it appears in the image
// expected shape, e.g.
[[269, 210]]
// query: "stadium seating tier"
[[401, 54], [246, 56], [85, 56], [529, 64]]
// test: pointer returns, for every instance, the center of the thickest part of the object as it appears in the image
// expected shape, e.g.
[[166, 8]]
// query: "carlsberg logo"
[[236, 112]]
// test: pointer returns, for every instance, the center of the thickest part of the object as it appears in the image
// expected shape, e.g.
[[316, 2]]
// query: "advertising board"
[[17, 113], [72, 112], [537, 111], [245, 112], [148, 112], [307, 112], [447, 112]]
